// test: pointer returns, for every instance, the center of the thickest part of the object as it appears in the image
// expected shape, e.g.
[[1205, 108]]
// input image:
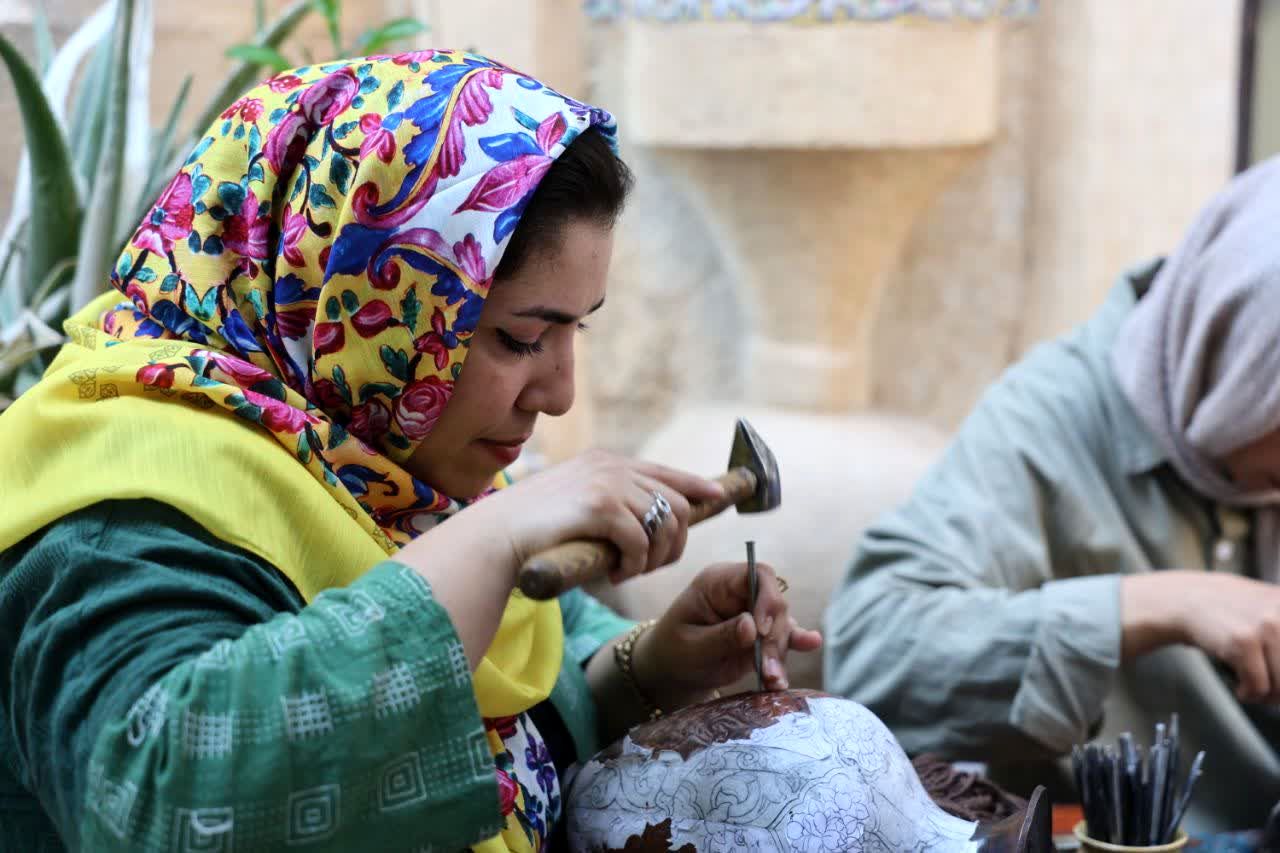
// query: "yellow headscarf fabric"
[[300, 301]]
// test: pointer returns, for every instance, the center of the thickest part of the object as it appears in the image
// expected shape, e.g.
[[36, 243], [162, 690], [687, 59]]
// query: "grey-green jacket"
[[982, 618]]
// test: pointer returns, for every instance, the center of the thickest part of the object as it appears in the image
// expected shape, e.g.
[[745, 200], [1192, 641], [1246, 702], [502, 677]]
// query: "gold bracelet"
[[622, 657]]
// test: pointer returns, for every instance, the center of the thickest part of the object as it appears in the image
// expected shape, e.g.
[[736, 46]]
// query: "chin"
[[459, 474], [465, 485]]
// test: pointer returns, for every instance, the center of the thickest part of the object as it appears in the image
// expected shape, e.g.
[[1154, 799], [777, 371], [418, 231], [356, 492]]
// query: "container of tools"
[[1092, 845], [1134, 799]]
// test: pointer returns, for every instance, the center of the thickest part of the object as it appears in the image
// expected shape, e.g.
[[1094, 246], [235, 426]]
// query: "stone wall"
[[1118, 122], [1134, 130]]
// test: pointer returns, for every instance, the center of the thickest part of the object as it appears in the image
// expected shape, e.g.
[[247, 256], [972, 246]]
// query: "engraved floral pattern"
[[819, 774]]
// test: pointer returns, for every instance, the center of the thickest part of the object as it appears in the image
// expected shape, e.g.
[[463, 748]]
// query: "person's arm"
[[1153, 610], [591, 629], [976, 620], [167, 691], [595, 495], [1234, 619], [589, 626]]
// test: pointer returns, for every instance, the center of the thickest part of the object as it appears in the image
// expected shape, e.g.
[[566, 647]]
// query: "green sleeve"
[[588, 625], [169, 692], [982, 618]]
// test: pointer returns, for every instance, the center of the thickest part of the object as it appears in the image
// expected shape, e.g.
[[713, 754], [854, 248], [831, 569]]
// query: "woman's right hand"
[[1233, 619], [472, 560], [597, 495]]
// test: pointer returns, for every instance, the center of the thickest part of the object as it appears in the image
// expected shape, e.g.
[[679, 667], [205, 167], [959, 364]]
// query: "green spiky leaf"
[[55, 217], [89, 115], [98, 240], [53, 280], [330, 9], [135, 161], [374, 40], [259, 55], [163, 158], [44, 39]]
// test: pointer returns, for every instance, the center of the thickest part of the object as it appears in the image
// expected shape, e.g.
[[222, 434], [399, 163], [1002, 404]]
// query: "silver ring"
[[656, 515]]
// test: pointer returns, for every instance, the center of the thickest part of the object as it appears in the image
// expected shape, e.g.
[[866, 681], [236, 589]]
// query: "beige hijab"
[[1199, 358]]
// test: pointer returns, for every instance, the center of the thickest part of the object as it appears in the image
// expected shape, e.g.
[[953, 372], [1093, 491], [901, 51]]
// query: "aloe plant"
[[93, 163]]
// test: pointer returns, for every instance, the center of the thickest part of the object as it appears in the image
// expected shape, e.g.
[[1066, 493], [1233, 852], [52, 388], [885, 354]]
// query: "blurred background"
[[851, 215]]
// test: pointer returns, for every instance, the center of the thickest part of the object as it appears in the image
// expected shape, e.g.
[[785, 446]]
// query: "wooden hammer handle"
[[571, 564]]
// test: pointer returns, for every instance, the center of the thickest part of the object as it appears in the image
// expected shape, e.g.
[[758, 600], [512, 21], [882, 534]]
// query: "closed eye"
[[521, 348]]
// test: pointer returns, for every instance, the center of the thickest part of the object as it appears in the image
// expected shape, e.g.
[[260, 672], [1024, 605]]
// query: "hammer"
[[751, 484]]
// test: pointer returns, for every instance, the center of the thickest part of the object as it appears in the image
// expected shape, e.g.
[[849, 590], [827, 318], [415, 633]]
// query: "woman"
[[248, 596], [1099, 547]]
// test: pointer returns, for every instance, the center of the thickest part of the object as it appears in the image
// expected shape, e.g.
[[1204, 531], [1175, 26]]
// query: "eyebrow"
[[552, 315]]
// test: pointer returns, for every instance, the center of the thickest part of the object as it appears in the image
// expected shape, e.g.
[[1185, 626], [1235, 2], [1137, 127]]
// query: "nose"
[[551, 387]]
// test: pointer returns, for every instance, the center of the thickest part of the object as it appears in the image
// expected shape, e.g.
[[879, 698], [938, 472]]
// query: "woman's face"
[[520, 363], [1256, 466]]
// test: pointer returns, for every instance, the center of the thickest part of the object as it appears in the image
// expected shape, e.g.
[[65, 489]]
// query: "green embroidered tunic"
[[165, 691]]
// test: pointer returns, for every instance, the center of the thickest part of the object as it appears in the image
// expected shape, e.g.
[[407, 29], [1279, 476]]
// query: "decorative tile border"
[[808, 11]]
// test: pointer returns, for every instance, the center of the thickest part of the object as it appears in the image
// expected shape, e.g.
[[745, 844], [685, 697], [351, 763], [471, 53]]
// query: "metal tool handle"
[[571, 564], [753, 593]]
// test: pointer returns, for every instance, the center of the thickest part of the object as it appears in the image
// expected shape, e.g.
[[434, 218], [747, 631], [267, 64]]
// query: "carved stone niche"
[[793, 770], [810, 150]]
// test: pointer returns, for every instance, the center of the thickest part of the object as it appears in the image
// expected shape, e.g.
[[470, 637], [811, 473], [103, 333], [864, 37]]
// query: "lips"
[[506, 451], [505, 442]]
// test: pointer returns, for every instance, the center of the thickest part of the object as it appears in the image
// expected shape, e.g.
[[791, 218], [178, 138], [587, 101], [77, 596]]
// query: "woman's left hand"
[[706, 639]]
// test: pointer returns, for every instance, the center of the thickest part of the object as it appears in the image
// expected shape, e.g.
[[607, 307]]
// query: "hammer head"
[[749, 451]]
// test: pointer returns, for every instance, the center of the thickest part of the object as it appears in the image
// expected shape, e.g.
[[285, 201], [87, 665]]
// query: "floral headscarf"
[[330, 243]]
